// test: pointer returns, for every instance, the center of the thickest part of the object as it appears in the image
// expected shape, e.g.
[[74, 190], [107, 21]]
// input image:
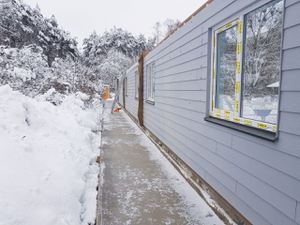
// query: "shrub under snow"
[[47, 165]]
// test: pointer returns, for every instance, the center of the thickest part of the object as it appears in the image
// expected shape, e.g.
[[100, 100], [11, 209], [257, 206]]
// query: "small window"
[[150, 73], [136, 85], [246, 68], [126, 86]]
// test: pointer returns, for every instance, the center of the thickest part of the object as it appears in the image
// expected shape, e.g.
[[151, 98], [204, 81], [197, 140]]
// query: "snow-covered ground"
[[48, 173]]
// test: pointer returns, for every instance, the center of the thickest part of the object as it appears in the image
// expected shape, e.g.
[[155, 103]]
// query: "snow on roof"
[[276, 84]]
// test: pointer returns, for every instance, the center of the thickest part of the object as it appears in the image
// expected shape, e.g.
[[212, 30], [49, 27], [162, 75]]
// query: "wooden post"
[[141, 90]]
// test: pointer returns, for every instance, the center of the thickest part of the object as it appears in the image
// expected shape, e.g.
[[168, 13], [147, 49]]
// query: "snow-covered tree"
[[109, 55], [162, 30], [21, 25], [98, 46], [112, 67]]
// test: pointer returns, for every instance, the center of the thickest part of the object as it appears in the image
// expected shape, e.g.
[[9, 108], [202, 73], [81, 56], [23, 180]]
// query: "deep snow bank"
[[48, 173]]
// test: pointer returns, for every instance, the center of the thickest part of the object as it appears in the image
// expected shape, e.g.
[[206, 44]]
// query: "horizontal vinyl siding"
[[290, 80], [292, 13], [131, 102], [259, 178]]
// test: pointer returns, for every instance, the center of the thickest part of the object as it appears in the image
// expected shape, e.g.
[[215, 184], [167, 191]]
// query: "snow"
[[47, 166], [254, 107], [23, 74], [275, 84]]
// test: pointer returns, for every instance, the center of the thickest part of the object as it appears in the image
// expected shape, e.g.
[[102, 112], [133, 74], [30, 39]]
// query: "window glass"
[[261, 70], [226, 68], [136, 84], [153, 81], [150, 81]]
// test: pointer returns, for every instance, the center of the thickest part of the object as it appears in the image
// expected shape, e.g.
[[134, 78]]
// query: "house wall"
[[131, 101], [260, 178], [121, 92]]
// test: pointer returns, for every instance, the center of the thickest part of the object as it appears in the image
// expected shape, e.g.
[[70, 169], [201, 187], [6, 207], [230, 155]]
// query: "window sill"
[[151, 102], [267, 135]]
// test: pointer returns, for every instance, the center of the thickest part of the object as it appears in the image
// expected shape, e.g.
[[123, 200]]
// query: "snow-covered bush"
[[47, 166], [23, 69], [26, 69]]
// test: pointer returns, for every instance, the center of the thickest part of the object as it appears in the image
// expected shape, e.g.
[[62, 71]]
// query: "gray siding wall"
[[131, 102], [259, 178]]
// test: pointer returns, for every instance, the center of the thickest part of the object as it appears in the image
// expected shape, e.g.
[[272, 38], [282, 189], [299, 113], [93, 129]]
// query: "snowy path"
[[140, 186]]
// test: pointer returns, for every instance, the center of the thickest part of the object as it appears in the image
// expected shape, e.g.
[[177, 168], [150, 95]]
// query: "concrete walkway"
[[140, 186]]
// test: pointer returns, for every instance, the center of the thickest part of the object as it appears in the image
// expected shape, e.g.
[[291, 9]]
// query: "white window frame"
[[150, 73], [226, 115], [137, 81]]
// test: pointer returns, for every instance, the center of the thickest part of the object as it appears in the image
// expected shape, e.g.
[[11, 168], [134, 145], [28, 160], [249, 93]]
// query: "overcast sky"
[[81, 17]]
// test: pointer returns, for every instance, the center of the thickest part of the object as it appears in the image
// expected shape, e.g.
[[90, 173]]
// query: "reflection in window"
[[262, 63], [150, 73], [226, 68]]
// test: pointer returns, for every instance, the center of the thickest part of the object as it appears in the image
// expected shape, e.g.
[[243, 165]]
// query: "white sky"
[[82, 17]]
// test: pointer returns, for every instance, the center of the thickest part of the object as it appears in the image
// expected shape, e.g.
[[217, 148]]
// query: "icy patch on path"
[[47, 165]]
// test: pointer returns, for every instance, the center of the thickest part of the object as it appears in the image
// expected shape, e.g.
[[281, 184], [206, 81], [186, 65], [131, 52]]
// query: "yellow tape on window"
[[262, 125], [238, 67], [237, 87], [248, 122], [239, 48], [240, 27]]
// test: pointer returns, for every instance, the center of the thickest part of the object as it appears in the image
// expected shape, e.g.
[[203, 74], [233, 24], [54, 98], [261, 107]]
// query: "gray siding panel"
[[290, 80], [252, 213], [290, 123], [290, 102], [272, 214], [196, 126], [286, 144], [187, 95], [292, 17], [259, 177], [189, 71], [189, 46], [291, 59], [291, 37], [191, 85], [287, 185], [197, 106], [290, 2], [298, 213], [131, 103], [268, 156]]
